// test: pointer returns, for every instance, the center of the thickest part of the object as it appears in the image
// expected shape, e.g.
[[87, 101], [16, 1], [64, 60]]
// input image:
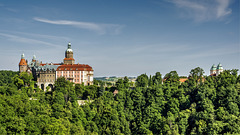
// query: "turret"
[[34, 58], [69, 55], [213, 70], [219, 69], [22, 64]]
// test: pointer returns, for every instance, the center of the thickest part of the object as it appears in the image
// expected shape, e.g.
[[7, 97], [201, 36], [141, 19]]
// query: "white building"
[[215, 71]]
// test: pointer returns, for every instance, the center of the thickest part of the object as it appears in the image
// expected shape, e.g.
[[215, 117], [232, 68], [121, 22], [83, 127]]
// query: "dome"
[[219, 66], [213, 67], [69, 48]]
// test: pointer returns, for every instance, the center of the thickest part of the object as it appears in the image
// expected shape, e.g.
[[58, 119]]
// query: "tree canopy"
[[200, 105]]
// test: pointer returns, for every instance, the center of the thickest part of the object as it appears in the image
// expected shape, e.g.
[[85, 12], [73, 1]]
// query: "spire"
[[69, 45], [22, 56], [34, 57]]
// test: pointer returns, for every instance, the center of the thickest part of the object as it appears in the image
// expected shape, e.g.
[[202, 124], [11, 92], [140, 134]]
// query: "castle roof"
[[74, 67], [47, 67], [219, 66], [68, 58], [22, 62], [213, 67], [43, 64]]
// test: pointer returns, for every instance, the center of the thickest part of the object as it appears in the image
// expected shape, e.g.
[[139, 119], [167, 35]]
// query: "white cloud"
[[99, 28], [26, 40], [39, 36], [222, 9], [204, 10]]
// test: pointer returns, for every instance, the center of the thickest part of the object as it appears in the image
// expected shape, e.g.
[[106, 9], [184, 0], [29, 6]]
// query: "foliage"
[[201, 105]]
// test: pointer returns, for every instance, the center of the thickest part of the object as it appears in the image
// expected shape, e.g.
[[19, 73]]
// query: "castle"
[[45, 74], [215, 71]]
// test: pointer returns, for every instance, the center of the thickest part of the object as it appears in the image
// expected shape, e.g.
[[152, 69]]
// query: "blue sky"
[[123, 37]]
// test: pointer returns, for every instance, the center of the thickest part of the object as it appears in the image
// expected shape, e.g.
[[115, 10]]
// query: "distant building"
[[115, 92], [182, 80], [216, 70], [22, 64], [47, 73]]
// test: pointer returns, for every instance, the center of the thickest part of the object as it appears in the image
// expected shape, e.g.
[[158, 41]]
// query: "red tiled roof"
[[74, 67], [183, 79], [69, 59], [22, 62]]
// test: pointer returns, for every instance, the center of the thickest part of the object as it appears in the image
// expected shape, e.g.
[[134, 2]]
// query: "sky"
[[123, 37]]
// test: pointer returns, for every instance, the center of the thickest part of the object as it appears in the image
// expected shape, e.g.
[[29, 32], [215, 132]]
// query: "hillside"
[[196, 106]]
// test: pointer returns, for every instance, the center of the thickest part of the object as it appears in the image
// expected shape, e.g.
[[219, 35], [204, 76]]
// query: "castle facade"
[[47, 73]]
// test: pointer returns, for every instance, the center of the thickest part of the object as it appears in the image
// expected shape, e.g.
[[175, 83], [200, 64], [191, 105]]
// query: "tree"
[[197, 75], [120, 84], [142, 80], [152, 107], [101, 90], [157, 79], [126, 82], [172, 78], [79, 90]]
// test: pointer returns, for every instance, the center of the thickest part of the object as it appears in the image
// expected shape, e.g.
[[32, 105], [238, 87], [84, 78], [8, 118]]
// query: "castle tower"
[[219, 69], [34, 58], [22, 64], [69, 55], [213, 69]]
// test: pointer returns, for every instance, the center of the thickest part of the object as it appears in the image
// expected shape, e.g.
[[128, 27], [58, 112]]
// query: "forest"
[[156, 105]]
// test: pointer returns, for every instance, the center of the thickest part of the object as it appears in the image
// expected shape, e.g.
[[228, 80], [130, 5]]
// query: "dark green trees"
[[200, 105]]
